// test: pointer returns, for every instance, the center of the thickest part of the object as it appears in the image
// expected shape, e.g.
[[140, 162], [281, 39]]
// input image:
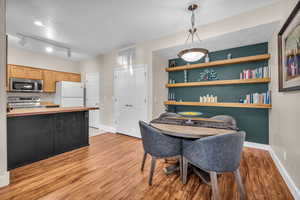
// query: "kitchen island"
[[39, 133]]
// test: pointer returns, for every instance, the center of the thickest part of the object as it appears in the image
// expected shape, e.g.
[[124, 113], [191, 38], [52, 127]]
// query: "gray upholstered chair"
[[158, 145], [215, 154], [227, 119], [169, 114]]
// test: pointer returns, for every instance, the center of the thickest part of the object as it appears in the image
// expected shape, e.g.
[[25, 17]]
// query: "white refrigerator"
[[69, 94]]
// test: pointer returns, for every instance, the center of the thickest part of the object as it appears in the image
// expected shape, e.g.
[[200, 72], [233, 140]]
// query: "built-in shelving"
[[220, 82], [220, 62], [219, 104]]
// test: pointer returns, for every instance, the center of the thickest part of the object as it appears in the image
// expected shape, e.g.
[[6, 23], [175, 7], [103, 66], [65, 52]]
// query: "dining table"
[[190, 132]]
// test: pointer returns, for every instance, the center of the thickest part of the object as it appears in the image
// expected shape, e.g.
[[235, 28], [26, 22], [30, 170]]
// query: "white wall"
[[285, 114], [159, 91], [24, 57], [93, 65], [4, 176], [145, 56]]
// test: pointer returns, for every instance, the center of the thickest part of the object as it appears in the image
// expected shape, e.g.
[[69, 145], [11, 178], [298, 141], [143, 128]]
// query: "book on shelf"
[[258, 98], [262, 72]]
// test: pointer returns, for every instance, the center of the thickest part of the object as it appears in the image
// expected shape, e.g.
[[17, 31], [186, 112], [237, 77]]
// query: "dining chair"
[[159, 146], [215, 155], [226, 118]]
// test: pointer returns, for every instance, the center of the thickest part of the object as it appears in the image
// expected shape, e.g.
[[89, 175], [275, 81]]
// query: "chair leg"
[[181, 167], [144, 160], [214, 184], [240, 184], [184, 170], [153, 162]]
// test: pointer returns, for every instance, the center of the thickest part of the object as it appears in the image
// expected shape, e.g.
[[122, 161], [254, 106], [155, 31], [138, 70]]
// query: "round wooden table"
[[189, 132]]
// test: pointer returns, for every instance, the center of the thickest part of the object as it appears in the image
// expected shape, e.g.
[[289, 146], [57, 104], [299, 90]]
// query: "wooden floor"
[[110, 169]]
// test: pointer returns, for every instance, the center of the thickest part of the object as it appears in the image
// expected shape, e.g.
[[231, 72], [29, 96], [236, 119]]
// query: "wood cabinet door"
[[25, 72], [65, 76], [17, 71], [49, 78], [62, 76], [75, 77], [32, 73]]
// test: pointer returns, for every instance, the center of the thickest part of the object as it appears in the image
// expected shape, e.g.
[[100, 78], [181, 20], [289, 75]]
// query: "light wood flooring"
[[110, 169]]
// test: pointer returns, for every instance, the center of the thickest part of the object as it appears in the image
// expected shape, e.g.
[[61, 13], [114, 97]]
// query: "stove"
[[24, 102]]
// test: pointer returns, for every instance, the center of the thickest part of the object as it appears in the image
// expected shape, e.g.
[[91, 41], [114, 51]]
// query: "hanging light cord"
[[193, 31]]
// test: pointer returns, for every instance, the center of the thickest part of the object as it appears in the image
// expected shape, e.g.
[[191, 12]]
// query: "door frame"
[[148, 84]]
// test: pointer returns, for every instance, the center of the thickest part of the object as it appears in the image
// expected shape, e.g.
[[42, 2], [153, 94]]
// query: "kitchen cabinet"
[[29, 139], [49, 77], [16, 71], [69, 129], [49, 81], [65, 76], [37, 137], [74, 77]]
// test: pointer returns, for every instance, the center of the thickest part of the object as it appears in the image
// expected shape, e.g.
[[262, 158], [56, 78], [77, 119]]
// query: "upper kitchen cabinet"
[[16, 71], [65, 76], [74, 77], [49, 80], [49, 77]]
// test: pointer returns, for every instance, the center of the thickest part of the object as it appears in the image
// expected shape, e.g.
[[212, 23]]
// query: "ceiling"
[[253, 35], [92, 27]]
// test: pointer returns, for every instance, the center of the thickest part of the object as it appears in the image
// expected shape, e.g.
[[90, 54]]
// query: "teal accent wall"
[[254, 121]]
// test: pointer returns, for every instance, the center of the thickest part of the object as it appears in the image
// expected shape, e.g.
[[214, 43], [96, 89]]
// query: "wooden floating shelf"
[[220, 82], [234, 105], [220, 62]]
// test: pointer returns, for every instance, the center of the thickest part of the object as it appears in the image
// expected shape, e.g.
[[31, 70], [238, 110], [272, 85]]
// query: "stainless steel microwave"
[[25, 85]]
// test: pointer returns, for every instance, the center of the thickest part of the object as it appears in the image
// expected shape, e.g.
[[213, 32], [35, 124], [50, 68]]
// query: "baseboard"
[[285, 175], [257, 146], [107, 128], [4, 179]]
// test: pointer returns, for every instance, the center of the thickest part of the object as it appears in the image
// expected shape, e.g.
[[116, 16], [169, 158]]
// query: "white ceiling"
[[254, 35], [91, 27]]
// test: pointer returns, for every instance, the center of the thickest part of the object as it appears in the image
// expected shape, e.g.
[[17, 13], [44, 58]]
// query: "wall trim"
[[257, 146], [285, 175], [283, 172], [107, 128], [4, 179]]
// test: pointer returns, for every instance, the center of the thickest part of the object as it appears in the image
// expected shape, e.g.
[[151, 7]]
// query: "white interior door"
[[92, 86], [130, 98]]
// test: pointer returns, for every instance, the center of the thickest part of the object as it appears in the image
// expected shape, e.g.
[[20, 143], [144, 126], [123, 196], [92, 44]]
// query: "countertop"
[[45, 111]]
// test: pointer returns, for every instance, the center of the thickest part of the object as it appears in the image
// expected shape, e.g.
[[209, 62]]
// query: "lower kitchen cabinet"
[[33, 138]]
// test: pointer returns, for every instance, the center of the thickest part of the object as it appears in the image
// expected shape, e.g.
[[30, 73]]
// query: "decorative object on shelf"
[[190, 115], [229, 56], [208, 99], [185, 76], [172, 81], [207, 58], [172, 63], [172, 97], [289, 52], [193, 53], [208, 75], [262, 72]]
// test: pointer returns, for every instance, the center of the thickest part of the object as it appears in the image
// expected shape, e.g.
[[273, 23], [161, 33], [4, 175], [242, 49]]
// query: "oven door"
[[25, 85]]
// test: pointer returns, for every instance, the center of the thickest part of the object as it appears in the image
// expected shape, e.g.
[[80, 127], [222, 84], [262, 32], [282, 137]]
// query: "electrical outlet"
[[284, 155]]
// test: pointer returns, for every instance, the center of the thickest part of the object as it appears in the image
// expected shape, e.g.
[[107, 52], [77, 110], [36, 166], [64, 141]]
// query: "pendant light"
[[192, 54]]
